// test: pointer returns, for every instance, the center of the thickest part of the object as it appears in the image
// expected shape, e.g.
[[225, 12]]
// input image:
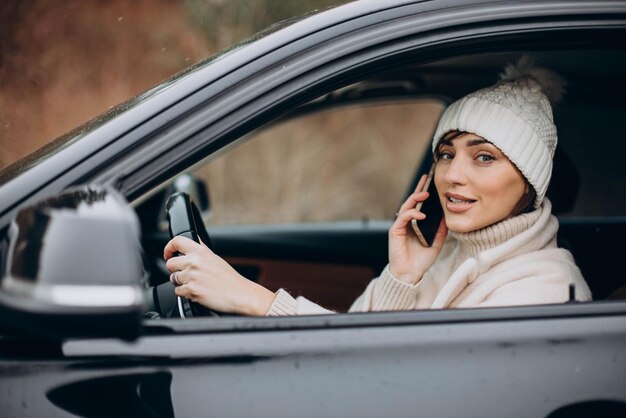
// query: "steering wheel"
[[184, 220]]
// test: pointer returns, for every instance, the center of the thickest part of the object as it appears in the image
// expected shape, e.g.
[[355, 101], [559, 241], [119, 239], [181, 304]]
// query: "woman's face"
[[477, 184]]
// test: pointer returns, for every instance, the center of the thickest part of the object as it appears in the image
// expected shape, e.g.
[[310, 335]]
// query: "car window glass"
[[352, 163], [594, 143]]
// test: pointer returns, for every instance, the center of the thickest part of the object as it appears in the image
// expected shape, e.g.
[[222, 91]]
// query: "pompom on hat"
[[515, 115]]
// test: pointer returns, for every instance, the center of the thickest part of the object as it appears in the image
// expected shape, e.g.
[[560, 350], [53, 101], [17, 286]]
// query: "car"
[[297, 147]]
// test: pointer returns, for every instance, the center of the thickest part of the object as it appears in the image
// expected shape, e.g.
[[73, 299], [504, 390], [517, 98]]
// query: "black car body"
[[564, 360]]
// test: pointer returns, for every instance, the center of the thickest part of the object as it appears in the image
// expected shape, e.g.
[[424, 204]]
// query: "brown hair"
[[527, 201]]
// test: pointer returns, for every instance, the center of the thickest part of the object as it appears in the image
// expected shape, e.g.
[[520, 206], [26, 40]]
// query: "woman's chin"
[[459, 229], [460, 225], [463, 224]]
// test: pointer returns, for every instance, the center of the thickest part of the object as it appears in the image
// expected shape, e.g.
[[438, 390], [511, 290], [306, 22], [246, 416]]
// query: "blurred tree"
[[227, 22], [64, 62]]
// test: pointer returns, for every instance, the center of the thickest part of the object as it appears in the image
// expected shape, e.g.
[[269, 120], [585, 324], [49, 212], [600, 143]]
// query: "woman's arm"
[[207, 279]]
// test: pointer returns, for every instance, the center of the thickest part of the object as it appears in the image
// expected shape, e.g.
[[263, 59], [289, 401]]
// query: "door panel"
[[512, 367], [333, 286]]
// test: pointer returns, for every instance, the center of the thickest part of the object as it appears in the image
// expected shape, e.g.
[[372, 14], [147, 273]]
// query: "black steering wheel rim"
[[184, 219]]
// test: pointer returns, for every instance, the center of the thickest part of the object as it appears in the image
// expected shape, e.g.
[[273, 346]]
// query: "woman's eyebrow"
[[445, 141], [473, 142], [447, 138]]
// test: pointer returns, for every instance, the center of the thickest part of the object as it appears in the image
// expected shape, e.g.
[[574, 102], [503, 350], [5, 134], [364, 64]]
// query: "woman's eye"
[[445, 155], [484, 158]]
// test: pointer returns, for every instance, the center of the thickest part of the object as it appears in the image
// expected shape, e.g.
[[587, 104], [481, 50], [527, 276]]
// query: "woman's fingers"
[[415, 197], [175, 279], [181, 266], [399, 227], [408, 215], [413, 200], [177, 263], [421, 183], [185, 291], [179, 245]]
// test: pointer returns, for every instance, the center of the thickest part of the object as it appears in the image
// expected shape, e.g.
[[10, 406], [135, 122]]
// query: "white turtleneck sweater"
[[513, 262]]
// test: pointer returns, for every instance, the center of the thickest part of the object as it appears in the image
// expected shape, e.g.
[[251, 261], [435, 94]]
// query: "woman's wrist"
[[257, 302], [411, 278], [265, 300]]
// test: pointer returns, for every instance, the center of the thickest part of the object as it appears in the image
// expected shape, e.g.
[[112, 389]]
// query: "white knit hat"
[[515, 115]]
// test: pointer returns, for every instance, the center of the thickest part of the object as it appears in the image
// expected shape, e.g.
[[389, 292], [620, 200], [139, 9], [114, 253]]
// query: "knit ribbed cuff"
[[284, 304], [391, 294]]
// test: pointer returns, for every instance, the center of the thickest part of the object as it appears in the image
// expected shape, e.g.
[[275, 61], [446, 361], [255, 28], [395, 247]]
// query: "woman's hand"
[[207, 279], [408, 259]]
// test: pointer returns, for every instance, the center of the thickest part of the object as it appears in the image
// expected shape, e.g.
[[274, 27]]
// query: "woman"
[[495, 246]]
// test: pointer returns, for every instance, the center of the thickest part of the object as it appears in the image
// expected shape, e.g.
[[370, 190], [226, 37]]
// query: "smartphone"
[[431, 207]]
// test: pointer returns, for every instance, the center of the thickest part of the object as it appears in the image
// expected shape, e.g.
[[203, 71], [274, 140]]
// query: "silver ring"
[[174, 279]]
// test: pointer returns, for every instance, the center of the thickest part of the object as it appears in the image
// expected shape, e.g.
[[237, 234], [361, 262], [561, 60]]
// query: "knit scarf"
[[475, 242]]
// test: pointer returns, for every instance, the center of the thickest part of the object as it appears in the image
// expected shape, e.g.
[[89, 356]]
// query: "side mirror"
[[74, 267]]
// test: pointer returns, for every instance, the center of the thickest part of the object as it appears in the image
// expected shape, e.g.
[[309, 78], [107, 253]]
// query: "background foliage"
[[64, 62]]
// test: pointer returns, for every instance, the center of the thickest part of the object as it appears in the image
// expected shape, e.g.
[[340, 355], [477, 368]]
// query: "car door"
[[476, 363]]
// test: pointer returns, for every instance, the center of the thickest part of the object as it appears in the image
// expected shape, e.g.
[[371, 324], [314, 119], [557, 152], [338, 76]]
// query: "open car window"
[[352, 163]]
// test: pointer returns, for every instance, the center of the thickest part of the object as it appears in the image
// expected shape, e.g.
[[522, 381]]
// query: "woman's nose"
[[456, 172]]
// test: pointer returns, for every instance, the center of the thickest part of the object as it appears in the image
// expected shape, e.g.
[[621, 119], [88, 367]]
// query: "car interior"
[[287, 229]]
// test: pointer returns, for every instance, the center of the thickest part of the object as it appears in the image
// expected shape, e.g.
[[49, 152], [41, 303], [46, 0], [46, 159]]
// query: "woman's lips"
[[457, 203]]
